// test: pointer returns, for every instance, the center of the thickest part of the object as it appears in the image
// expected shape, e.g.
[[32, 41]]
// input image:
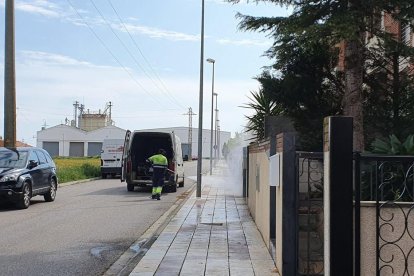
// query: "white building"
[[64, 140]]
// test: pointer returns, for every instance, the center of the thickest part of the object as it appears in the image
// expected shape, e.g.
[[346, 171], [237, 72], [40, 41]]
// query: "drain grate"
[[212, 223]]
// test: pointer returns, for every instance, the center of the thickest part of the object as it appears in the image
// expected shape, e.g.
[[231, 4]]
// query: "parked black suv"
[[26, 172]]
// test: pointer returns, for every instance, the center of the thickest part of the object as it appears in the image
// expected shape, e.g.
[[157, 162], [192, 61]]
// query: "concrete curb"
[[78, 181]]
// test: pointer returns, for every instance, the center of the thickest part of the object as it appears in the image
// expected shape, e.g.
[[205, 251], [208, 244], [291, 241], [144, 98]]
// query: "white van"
[[111, 157], [138, 146]]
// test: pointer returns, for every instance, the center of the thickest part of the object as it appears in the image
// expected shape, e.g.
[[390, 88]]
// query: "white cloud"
[[52, 10], [220, 2], [48, 84], [40, 7], [245, 42], [50, 59], [158, 33]]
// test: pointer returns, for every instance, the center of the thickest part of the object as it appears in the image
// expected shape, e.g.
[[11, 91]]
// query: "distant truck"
[[111, 157]]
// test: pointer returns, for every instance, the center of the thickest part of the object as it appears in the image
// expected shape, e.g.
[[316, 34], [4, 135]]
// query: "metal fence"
[[310, 234], [383, 180], [387, 181]]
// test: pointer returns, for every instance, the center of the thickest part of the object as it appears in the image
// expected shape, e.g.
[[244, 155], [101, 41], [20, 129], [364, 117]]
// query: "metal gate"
[[382, 204], [386, 182], [383, 184], [310, 228]]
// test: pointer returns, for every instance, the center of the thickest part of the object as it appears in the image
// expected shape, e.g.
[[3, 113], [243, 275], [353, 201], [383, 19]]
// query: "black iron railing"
[[310, 213], [388, 182]]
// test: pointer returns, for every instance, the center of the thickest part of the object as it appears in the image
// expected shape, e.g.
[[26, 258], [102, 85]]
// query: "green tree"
[[306, 89], [333, 22], [389, 90], [263, 106]]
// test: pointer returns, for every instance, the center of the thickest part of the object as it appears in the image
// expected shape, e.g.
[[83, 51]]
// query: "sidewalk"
[[211, 235]]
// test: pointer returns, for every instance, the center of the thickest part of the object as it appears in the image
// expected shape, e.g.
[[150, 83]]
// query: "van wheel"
[[181, 184], [130, 187], [172, 188]]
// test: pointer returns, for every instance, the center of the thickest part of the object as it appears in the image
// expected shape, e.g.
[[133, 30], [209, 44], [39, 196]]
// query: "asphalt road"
[[84, 231]]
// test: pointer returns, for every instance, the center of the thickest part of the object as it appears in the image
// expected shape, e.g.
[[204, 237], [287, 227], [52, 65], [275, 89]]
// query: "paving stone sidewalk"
[[211, 235]]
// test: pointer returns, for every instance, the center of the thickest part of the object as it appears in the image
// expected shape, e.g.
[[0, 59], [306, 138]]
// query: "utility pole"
[[190, 130], [9, 79]]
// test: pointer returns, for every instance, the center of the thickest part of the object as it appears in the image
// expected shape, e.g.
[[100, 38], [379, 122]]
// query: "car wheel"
[[24, 200], [130, 187], [51, 194]]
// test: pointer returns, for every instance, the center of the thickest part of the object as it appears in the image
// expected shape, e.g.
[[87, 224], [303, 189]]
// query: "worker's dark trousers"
[[157, 181]]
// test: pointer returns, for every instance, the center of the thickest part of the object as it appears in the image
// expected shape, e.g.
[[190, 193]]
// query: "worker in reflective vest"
[[159, 164]]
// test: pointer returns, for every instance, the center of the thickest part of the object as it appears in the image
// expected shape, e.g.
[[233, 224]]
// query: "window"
[[48, 158], [405, 34], [13, 159], [33, 157], [42, 157]]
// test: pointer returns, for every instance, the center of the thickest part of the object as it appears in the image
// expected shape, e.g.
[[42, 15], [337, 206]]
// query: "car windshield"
[[12, 159]]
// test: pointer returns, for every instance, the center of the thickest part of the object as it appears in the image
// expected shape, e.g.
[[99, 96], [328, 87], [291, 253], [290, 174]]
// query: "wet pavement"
[[210, 235]]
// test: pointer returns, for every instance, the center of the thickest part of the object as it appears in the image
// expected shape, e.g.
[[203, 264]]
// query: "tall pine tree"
[[346, 21]]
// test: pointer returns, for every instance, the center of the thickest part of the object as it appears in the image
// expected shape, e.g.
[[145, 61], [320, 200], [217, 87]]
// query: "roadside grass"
[[77, 168]]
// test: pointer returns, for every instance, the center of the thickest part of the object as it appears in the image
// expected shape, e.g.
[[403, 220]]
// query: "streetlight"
[[210, 60], [218, 139], [215, 130], [200, 106]]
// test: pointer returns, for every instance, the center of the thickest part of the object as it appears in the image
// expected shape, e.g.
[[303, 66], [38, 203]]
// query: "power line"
[[142, 54], [110, 52], [130, 54], [123, 44]]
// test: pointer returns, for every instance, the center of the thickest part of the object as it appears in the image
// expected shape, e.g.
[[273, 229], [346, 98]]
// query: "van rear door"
[[178, 150], [125, 155], [178, 156]]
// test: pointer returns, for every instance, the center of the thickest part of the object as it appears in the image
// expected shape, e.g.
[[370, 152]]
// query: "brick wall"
[[389, 24]]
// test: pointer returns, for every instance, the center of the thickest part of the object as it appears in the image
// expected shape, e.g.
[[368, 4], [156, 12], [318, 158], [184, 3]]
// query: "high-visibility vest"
[[159, 161]]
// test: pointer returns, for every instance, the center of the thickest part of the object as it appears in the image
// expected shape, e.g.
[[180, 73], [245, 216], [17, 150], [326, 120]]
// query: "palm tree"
[[263, 106]]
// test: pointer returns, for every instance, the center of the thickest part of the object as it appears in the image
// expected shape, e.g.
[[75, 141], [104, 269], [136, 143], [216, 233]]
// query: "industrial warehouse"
[[84, 135]]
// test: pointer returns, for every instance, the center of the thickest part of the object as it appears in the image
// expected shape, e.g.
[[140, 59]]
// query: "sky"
[[143, 56]]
